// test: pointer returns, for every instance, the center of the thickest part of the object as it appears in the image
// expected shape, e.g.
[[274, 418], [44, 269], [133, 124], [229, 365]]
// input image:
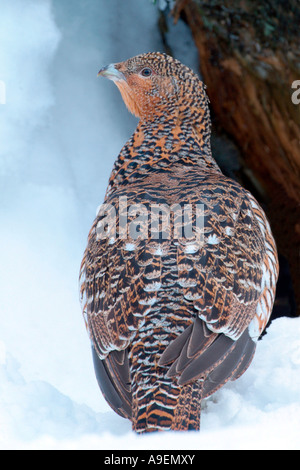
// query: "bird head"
[[155, 85]]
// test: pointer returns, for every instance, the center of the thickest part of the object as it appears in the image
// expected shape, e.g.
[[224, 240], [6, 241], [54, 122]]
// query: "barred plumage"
[[178, 277]]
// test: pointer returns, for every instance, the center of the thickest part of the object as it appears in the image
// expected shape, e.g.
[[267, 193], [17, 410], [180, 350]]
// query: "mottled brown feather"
[[171, 319]]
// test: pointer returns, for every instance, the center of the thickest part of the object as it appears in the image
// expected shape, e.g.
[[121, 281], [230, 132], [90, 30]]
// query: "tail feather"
[[142, 384], [170, 408], [188, 409]]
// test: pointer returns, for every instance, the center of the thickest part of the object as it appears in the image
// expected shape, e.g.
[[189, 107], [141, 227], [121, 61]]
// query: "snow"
[[259, 411], [61, 128]]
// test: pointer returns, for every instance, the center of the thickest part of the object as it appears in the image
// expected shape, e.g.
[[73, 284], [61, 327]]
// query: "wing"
[[113, 378], [113, 284], [227, 274], [230, 279], [118, 281]]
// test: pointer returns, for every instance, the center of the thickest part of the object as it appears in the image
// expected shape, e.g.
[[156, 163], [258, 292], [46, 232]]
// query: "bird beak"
[[111, 73]]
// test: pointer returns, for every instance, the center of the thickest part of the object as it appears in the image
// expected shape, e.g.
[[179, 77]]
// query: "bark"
[[250, 57]]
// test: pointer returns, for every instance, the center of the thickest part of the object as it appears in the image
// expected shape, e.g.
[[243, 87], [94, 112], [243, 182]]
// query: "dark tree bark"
[[250, 57]]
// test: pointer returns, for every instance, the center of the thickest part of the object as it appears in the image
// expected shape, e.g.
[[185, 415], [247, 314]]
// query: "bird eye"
[[146, 72]]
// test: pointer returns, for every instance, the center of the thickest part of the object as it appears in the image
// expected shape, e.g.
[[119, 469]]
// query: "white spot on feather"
[[148, 301], [129, 247], [229, 231], [213, 239], [155, 286], [190, 249], [253, 329]]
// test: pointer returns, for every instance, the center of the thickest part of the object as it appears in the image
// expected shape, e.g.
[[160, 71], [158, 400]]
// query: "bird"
[[179, 274]]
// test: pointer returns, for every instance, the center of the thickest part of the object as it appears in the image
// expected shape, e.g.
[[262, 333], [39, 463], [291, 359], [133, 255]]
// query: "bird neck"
[[157, 146]]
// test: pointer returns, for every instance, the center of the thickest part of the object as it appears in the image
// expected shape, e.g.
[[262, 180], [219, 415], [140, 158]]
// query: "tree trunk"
[[250, 58]]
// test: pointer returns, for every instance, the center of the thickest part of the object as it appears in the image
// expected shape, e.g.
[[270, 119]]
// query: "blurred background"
[[61, 129]]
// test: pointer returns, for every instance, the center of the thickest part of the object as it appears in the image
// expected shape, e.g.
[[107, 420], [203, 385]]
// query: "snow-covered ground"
[[60, 131]]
